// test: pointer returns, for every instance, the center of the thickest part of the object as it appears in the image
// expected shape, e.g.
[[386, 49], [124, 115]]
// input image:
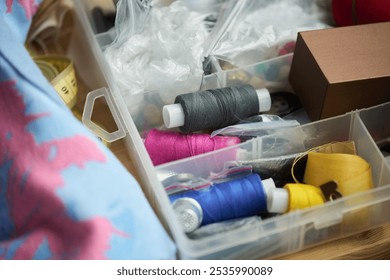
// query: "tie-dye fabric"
[[63, 195]]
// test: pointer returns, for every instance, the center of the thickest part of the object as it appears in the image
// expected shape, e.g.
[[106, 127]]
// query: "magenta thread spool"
[[167, 146], [217, 108]]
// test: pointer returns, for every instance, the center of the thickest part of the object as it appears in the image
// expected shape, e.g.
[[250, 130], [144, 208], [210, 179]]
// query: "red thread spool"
[[167, 146], [352, 12]]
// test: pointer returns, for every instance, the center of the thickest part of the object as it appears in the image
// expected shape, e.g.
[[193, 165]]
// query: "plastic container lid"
[[279, 200]]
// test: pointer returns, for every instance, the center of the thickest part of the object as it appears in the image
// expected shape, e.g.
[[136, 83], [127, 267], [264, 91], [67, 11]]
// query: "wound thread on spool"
[[293, 197], [167, 146], [217, 108], [239, 198]]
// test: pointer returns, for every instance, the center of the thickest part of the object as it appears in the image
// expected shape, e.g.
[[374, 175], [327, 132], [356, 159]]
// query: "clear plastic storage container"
[[268, 238]]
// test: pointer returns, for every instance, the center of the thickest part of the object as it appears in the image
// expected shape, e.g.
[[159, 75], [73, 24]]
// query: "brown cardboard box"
[[338, 70]]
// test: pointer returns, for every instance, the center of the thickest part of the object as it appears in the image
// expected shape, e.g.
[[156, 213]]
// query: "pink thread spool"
[[167, 146]]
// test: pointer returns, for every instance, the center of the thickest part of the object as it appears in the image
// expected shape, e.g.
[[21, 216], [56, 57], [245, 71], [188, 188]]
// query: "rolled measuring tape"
[[60, 72]]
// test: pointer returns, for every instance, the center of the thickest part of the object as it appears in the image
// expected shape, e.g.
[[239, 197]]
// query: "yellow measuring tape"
[[337, 162], [59, 70]]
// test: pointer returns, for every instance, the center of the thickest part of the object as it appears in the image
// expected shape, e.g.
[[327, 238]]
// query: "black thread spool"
[[216, 108]]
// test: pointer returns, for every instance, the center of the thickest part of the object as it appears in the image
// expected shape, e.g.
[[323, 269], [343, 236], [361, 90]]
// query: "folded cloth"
[[351, 12], [63, 195]]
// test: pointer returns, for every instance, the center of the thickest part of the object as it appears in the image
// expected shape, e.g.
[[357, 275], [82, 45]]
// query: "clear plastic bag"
[[131, 18], [253, 31], [259, 126], [217, 228], [158, 48], [278, 168]]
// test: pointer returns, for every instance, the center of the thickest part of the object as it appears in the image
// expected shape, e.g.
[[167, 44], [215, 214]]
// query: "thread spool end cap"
[[264, 99], [189, 212], [279, 201], [268, 186], [173, 115]]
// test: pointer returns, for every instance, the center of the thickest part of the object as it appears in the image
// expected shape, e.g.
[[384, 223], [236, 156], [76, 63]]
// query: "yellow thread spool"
[[293, 197], [303, 196]]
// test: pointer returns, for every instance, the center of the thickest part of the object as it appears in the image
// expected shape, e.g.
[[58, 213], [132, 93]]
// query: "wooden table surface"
[[371, 244]]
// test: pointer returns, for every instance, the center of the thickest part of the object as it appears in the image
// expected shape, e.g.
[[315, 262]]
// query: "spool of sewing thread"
[[217, 108], [167, 146], [293, 197], [239, 198]]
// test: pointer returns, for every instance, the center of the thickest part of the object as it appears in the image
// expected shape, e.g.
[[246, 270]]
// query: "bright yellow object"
[[60, 72], [351, 172], [303, 196], [345, 147], [352, 175]]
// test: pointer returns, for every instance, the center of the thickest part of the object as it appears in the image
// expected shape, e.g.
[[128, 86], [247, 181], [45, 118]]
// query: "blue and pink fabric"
[[63, 195]]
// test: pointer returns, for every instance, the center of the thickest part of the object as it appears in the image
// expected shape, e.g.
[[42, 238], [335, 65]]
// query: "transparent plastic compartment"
[[297, 230], [270, 237], [271, 74], [379, 130]]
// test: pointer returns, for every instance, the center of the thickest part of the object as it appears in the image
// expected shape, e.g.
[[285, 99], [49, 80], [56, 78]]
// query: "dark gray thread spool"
[[212, 109]]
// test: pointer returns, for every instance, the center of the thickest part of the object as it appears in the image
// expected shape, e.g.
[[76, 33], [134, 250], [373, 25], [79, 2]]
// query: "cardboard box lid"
[[351, 53]]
